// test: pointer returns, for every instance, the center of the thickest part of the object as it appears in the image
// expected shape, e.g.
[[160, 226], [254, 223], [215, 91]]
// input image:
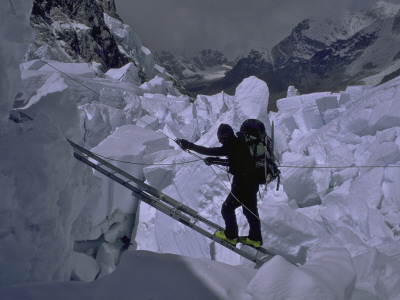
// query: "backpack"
[[261, 146]]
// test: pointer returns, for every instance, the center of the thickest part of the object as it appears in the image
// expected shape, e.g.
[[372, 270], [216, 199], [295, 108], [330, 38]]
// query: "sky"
[[230, 26]]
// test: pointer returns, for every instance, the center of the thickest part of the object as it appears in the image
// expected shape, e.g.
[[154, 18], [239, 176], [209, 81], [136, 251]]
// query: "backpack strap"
[[265, 165], [279, 181]]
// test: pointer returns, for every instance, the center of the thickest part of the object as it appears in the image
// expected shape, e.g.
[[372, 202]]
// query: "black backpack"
[[261, 146]]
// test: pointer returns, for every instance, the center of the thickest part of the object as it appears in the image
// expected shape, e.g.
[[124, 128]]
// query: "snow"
[[147, 275], [18, 36], [208, 73], [334, 223], [251, 101], [46, 66], [328, 275], [343, 26], [203, 279], [128, 73], [292, 91], [159, 85], [131, 44]]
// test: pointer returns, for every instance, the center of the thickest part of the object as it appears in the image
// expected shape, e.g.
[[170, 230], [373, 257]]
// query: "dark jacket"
[[238, 155]]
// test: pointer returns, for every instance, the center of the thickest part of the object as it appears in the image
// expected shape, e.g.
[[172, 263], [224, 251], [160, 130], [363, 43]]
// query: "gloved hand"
[[185, 144], [209, 160]]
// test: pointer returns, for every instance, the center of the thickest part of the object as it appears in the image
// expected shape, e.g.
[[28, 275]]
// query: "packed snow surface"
[[59, 220]]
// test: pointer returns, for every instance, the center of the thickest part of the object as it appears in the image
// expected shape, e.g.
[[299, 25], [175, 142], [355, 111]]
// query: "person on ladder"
[[244, 186]]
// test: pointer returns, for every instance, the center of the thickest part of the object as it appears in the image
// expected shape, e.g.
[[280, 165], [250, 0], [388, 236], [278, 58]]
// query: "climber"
[[244, 186]]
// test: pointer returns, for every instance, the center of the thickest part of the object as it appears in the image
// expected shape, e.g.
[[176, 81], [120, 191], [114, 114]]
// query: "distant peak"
[[386, 9]]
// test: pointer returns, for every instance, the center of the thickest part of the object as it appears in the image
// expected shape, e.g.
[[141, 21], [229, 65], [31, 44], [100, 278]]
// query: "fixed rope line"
[[97, 93], [266, 225], [340, 167], [70, 77], [174, 140], [77, 81], [152, 127], [158, 130], [199, 158], [143, 164], [13, 8], [155, 129]]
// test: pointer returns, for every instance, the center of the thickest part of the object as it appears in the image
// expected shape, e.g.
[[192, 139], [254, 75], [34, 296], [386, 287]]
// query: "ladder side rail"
[[106, 163], [209, 223], [146, 187], [151, 200], [160, 206], [155, 202], [143, 185], [265, 251]]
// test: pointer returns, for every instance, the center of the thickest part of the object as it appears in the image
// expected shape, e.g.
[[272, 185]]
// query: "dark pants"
[[245, 189]]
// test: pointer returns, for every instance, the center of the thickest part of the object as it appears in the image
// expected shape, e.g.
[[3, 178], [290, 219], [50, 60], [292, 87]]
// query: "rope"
[[157, 130], [200, 158], [70, 77], [175, 141], [13, 8], [340, 167], [143, 164]]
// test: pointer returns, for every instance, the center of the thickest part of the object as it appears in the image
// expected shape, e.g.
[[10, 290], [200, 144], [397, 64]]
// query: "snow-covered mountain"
[[329, 53], [196, 71], [59, 220]]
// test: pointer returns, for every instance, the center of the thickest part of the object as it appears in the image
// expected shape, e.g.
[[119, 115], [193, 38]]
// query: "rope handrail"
[[200, 158], [340, 167], [146, 164]]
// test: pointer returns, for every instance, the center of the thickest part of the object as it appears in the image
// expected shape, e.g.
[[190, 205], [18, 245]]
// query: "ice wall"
[[51, 204], [15, 34], [354, 195], [52, 199], [44, 189]]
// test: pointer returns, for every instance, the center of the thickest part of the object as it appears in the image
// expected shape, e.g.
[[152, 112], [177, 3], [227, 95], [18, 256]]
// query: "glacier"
[[339, 196]]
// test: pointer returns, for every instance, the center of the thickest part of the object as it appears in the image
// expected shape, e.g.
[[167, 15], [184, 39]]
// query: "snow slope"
[[147, 275]]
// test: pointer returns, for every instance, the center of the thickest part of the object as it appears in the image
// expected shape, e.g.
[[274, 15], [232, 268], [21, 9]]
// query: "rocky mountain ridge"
[[91, 31], [88, 31], [71, 31]]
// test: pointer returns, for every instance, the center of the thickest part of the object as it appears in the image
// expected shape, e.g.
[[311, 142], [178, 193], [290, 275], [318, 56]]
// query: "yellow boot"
[[246, 241], [221, 235]]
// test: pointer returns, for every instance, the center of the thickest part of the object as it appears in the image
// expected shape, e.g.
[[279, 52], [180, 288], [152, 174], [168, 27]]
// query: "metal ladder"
[[164, 203]]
